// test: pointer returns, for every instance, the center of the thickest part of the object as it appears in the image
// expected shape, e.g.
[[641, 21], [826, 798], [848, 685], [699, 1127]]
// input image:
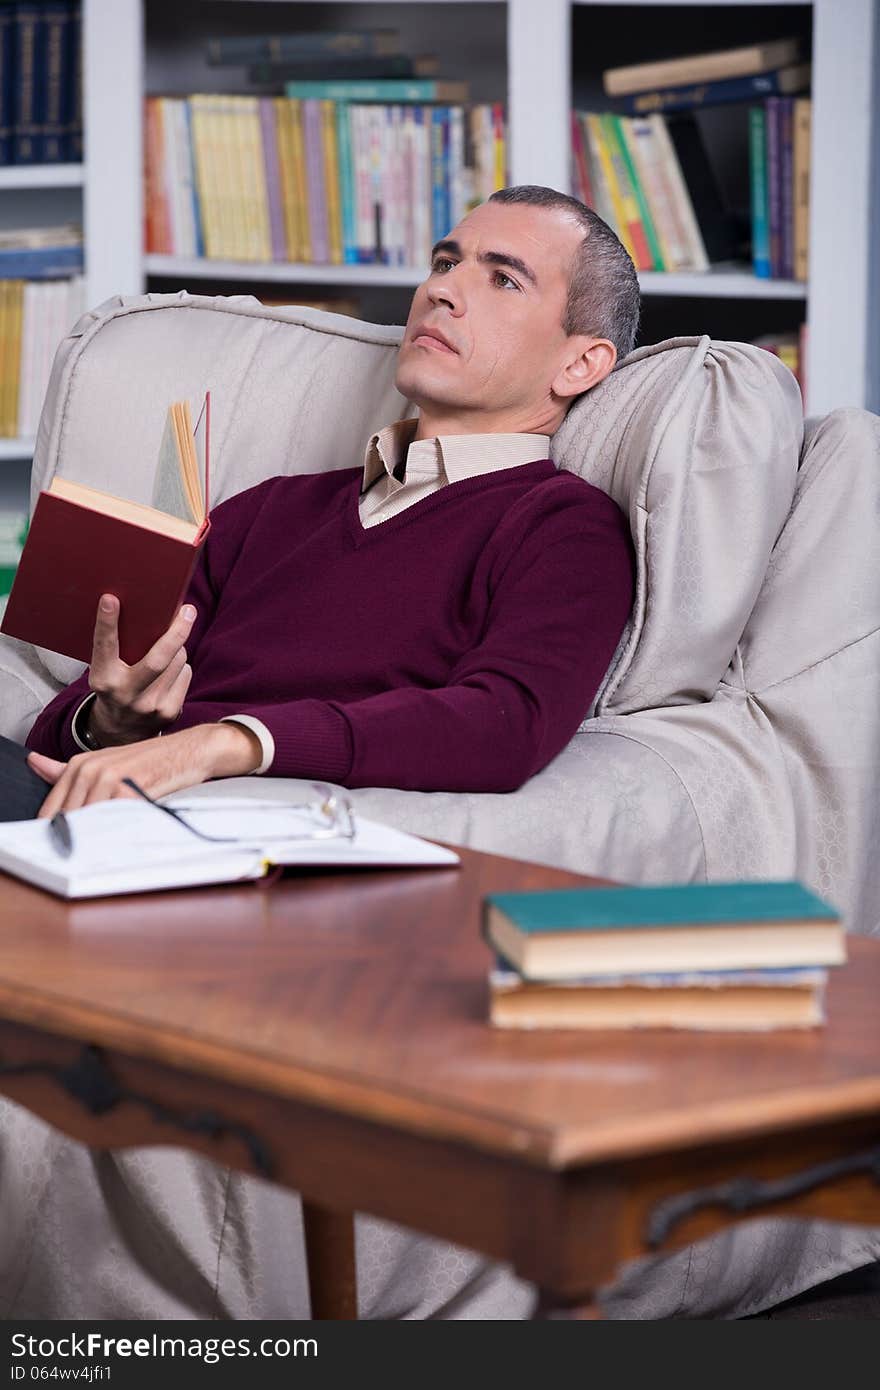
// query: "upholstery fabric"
[[737, 735]]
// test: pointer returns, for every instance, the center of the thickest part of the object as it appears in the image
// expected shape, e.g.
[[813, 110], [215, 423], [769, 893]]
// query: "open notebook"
[[131, 847]]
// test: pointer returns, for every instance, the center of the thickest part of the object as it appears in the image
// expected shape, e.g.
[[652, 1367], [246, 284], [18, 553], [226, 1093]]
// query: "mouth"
[[434, 341]]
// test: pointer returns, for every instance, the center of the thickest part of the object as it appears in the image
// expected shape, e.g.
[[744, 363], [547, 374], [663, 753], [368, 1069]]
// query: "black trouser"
[[22, 792]]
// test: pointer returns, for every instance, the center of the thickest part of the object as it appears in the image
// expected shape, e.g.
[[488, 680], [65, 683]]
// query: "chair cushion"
[[698, 442]]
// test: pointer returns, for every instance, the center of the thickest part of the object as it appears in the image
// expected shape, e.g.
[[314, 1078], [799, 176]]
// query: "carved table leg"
[[330, 1258]]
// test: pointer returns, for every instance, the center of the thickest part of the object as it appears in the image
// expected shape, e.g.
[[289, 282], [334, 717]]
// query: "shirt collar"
[[392, 452]]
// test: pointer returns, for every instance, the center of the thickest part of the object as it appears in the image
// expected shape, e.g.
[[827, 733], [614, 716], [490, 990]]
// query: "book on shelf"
[[34, 316], [338, 69], [782, 82], [744, 61], [130, 846], [803, 108], [574, 933], [40, 82], [240, 49], [391, 90], [313, 180], [84, 543], [721, 1001], [760, 210]]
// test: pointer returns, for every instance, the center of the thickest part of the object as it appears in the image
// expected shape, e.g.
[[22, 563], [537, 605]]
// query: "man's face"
[[484, 337]]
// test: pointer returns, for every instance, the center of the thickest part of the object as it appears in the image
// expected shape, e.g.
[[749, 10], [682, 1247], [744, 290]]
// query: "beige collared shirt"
[[399, 471]]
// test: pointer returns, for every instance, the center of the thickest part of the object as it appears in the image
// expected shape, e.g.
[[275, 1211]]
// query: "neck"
[[434, 423]]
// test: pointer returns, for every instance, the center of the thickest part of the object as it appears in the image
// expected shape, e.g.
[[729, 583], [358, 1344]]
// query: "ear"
[[587, 362]]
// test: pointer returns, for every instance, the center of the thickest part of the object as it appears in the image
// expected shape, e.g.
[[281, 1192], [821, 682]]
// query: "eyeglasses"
[[330, 817]]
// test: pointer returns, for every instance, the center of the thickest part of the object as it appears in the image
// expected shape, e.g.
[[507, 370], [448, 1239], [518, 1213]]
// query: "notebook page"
[[169, 493]]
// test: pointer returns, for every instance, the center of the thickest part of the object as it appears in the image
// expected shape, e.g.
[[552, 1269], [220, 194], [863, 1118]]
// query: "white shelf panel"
[[41, 176], [286, 272], [16, 449], [720, 283]]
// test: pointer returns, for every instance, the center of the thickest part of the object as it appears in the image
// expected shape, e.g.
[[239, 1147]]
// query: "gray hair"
[[603, 294]]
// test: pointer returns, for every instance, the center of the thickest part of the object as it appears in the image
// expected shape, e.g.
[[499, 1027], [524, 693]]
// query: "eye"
[[440, 264], [504, 281]]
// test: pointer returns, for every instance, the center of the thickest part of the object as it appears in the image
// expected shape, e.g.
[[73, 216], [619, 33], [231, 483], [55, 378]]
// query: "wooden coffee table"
[[330, 1031]]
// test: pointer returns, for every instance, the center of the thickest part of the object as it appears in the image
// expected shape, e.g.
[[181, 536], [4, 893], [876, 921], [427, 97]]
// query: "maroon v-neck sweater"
[[456, 646]]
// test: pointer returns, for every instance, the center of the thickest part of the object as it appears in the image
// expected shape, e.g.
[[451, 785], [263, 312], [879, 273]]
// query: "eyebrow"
[[489, 258]]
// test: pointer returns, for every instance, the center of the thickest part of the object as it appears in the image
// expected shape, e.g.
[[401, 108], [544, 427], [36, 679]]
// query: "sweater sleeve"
[[561, 593], [52, 731]]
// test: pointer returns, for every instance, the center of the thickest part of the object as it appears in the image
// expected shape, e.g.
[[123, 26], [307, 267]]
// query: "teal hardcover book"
[[695, 926]]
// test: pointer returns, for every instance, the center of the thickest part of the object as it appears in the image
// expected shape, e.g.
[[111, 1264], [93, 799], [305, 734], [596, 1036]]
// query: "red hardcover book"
[[83, 543]]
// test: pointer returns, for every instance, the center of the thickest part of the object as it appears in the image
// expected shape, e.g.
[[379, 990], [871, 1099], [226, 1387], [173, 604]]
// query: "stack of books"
[[41, 297], [40, 82], [646, 170], [314, 179], [717, 956]]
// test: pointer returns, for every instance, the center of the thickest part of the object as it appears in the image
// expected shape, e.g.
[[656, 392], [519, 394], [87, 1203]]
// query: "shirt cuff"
[[256, 726], [81, 711]]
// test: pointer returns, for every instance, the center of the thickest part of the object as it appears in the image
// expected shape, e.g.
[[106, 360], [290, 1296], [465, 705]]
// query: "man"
[[469, 599], [511, 582]]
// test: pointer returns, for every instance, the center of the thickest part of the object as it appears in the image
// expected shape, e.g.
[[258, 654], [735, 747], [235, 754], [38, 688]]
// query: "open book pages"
[[128, 846], [181, 485], [180, 489]]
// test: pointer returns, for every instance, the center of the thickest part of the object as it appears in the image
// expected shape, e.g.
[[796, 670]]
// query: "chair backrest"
[[697, 441]]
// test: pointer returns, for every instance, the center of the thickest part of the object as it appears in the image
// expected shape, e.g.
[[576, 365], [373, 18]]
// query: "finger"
[[172, 703], [105, 643], [57, 798], [162, 651], [47, 768], [151, 695]]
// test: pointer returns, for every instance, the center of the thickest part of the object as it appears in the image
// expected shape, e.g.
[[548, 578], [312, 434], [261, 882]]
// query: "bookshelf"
[[523, 49]]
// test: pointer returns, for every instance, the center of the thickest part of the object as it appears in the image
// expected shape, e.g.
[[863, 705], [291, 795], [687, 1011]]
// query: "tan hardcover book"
[[251, 182], [4, 355], [734, 1001], [301, 183], [701, 67], [803, 109], [330, 149], [284, 136], [694, 250], [203, 158]]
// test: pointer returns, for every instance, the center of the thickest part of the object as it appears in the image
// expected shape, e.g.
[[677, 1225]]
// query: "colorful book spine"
[[801, 178], [201, 125], [28, 29], [12, 346], [627, 142], [347, 190], [696, 258], [500, 146], [773, 114], [600, 147], [758, 186], [580, 173], [332, 180], [57, 19], [730, 89], [644, 235], [786, 179], [386, 90], [302, 205], [41, 263], [272, 175], [439, 225], [645, 151], [283, 110], [311, 113], [74, 87]]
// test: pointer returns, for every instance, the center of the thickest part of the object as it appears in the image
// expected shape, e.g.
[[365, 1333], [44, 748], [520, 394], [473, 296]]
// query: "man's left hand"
[[158, 765]]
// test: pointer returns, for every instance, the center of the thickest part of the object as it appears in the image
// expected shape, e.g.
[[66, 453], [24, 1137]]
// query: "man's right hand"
[[136, 702]]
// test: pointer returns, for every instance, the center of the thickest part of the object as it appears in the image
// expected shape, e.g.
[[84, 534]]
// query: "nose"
[[446, 289]]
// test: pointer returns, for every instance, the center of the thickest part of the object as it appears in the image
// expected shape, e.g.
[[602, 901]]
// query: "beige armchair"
[[737, 734]]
